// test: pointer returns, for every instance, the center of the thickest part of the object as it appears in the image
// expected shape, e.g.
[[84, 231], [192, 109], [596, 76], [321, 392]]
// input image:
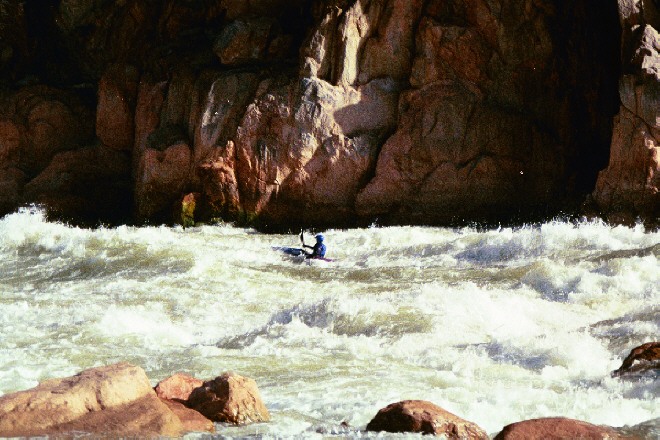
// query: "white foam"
[[495, 326]]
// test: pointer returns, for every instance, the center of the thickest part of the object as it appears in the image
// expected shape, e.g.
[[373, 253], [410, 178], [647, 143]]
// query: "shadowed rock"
[[229, 398], [191, 420], [115, 113], [630, 185], [424, 417], [643, 358], [85, 184]]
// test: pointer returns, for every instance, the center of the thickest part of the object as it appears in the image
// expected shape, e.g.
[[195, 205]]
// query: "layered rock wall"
[[327, 113]]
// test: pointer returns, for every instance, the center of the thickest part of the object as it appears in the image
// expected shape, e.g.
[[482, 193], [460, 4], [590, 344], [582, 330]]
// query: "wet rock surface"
[[642, 359]]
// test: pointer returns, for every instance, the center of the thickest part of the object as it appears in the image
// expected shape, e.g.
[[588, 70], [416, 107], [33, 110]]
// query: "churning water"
[[495, 326]]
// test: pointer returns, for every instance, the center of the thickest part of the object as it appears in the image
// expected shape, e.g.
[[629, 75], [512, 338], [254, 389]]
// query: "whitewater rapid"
[[496, 326]]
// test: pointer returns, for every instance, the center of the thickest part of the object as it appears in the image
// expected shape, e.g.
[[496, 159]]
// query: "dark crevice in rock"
[[587, 36], [49, 58]]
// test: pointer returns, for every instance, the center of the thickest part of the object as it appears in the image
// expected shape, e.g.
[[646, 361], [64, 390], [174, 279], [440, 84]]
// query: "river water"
[[496, 326]]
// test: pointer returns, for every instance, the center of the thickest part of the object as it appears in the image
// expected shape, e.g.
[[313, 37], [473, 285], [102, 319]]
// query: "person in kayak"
[[318, 250]]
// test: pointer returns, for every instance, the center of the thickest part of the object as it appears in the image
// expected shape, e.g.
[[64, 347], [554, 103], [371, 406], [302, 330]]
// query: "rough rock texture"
[[177, 387], [305, 148], [424, 417], [556, 428], [229, 398], [643, 358], [162, 177], [630, 186], [491, 125], [147, 416], [39, 122], [191, 420], [48, 155], [117, 399], [333, 112], [115, 112]]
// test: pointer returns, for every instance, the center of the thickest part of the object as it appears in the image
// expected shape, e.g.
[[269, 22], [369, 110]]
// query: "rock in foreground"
[[424, 417], [555, 428], [191, 420], [230, 398], [177, 387], [112, 400]]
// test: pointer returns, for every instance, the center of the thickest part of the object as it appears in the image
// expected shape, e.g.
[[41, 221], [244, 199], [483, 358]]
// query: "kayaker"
[[318, 250]]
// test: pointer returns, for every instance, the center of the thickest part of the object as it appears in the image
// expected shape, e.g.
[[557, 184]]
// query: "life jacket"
[[319, 250]]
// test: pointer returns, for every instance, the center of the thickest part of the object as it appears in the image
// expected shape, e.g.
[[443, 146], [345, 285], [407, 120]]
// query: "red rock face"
[[218, 177], [115, 113], [340, 112], [629, 188], [83, 184], [486, 128]]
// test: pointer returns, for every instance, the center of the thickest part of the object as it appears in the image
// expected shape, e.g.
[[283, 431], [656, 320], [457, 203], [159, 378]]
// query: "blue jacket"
[[318, 251]]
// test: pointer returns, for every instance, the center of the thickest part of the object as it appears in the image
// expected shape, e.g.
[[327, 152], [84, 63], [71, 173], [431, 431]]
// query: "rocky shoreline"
[[118, 400], [330, 113]]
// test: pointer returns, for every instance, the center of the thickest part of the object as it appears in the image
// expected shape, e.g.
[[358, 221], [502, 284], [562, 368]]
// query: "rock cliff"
[[330, 113]]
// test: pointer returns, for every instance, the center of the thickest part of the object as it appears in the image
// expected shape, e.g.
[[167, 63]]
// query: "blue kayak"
[[298, 252]]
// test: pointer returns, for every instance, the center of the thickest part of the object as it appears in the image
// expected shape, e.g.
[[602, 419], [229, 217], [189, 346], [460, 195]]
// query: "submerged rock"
[[645, 430], [646, 357], [555, 428], [424, 417]]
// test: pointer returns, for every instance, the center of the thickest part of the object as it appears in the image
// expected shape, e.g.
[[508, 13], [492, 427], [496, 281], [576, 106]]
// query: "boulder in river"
[[555, 428], [177, 387], [110, 400], [230, 398], [424, 417], [643, 358]]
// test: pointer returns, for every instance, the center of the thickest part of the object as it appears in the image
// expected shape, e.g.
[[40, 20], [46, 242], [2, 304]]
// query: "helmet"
[[320, 237]]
